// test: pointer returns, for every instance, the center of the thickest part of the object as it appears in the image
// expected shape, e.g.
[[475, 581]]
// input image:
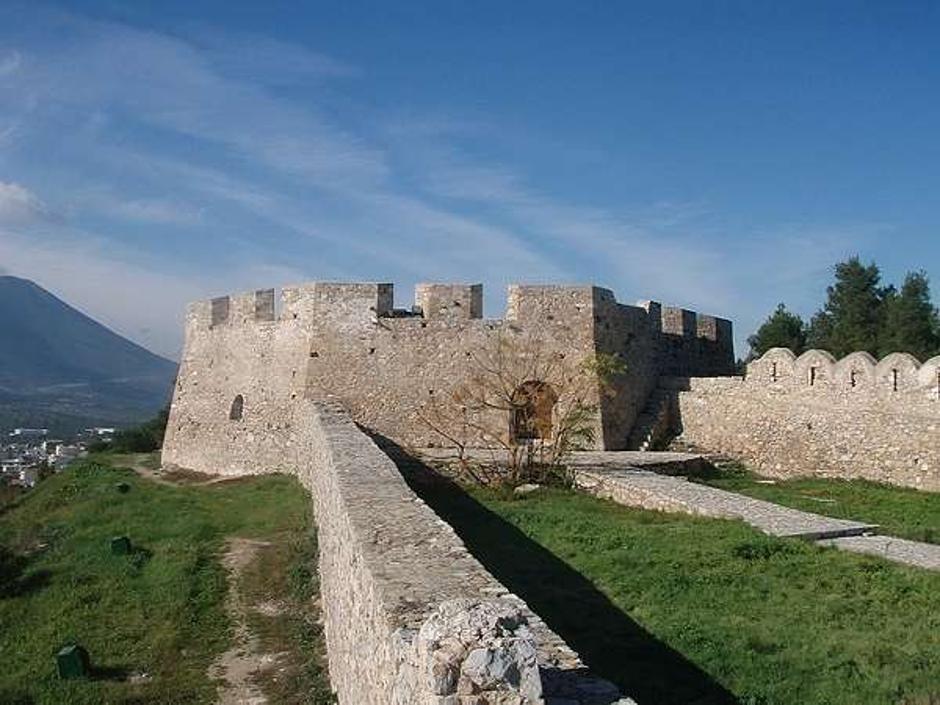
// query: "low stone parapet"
[[410, 616]]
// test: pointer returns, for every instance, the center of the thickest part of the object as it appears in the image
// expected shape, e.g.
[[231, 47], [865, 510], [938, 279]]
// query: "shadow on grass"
[[110, 673], [14, 697], [14, 580], [610, 642]]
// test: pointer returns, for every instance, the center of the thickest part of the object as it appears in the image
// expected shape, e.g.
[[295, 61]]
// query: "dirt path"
[[238, 667], [172, 477]]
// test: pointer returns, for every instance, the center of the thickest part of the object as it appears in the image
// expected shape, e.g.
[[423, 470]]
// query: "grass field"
[[902, 512], [153, 621], [683, 610]]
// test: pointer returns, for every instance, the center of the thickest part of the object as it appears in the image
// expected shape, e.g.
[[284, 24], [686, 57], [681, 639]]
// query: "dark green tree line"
[[859, 314]]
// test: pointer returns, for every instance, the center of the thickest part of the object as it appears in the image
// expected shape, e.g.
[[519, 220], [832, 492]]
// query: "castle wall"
[[391, 375], [241, 352], [814, 415], [408, 611], [392, 369]]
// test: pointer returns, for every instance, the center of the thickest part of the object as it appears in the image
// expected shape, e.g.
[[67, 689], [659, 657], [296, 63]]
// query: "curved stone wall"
[[815, 415]]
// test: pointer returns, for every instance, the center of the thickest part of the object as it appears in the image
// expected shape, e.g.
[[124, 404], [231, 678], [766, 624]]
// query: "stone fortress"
[[285, 384], [348, 343]]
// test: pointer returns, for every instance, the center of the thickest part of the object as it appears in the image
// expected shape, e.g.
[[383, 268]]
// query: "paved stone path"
[[649, 490], [649, 480], [653, 491], [922, 555]]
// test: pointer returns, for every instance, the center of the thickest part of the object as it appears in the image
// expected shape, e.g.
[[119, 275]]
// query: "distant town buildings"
[[27, 452]]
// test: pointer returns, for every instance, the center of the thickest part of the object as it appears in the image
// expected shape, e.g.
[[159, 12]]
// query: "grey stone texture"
[[813, 415], [915, 553], [409, 615], [347, 342], [650, 490]]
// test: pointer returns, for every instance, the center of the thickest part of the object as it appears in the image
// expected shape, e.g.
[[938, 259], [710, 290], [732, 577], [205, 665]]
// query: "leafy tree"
[[782, 329], [145, 438], [911, 322], [851, 317]]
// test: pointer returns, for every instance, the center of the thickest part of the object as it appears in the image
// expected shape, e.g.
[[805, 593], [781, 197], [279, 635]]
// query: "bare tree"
[[531, 406]]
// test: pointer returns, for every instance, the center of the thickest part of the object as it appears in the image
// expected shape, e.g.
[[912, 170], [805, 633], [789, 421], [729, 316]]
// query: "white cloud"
[[141, 300], [287, 190], [10, 63], [263, 60], [103, 200], [18, 204]]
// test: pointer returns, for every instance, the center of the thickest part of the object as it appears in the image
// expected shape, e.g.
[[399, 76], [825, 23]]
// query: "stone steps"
[[643, 436]]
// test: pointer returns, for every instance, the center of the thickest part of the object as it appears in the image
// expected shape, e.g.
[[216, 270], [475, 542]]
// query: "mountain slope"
[[58, 367]]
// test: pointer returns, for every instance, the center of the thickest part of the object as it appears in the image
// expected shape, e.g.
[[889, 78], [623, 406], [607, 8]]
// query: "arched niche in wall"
[[856, 371], [897, 372], [775, 365], [814, 368], [533, 407], [928, 378], [237, 409]]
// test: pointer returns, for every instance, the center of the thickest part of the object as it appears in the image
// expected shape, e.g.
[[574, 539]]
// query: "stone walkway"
[[922, 555], [648, 490]]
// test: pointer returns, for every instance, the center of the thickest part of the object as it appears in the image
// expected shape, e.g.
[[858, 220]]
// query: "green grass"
[[677, 609], [159, 611], [899, 511], [287, 569]]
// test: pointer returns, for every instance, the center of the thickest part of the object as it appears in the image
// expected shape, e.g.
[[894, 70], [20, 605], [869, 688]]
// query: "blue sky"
[[719, 155]]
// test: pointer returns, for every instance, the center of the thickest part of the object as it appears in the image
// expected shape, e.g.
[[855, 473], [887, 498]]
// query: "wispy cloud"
[[18, 204], [185, 169], [10, 62]]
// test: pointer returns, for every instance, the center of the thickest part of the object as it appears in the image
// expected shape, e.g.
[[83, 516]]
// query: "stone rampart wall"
[[390, 367], [814, 415], [410, 616]]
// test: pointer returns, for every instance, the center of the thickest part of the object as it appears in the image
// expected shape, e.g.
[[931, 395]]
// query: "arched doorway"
[[238, 405], [533, 403]]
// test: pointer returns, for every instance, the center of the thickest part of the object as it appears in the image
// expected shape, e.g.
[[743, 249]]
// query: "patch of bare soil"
[[179, 476], [240, 668]]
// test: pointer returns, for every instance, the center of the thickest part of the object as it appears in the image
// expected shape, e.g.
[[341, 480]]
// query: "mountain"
[[61, 369]]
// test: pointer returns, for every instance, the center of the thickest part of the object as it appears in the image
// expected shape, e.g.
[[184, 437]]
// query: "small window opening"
[[238, 406], [773, 372], [314, 353], [853, 379], [894, 379], [938, 384], [812, 376], [372, 351]]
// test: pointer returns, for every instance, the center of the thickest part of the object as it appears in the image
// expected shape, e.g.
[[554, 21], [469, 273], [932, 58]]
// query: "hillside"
[[161, 623], [60, 368]]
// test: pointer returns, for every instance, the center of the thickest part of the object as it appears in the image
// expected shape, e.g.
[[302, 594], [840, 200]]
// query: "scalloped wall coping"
[[895, 372]]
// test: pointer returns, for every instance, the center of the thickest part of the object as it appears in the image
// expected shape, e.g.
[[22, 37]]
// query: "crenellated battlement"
[[857, 373], [388, 366], [454, 303]]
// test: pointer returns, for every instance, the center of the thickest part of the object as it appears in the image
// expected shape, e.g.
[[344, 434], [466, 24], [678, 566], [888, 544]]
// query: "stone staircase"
[[655, 423]]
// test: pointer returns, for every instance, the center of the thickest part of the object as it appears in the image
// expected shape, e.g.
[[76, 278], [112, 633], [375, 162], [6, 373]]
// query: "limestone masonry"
[[279, 384], [386, 366], [812, 414]]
